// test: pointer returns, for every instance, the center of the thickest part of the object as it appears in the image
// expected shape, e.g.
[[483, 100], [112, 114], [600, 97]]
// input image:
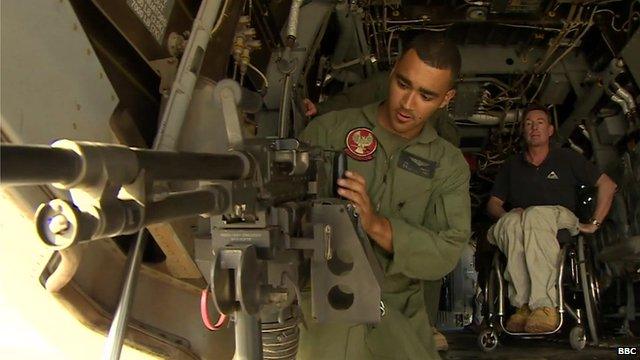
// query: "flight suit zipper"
[[387, 162]]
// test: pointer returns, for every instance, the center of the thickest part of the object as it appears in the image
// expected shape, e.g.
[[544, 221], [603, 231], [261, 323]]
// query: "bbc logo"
[[627, 351]]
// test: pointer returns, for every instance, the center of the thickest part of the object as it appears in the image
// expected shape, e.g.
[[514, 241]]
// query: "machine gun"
[[270, 232]]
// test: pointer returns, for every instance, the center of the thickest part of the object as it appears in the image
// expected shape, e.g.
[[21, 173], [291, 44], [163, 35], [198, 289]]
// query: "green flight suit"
[[376, 88], [430, 218]]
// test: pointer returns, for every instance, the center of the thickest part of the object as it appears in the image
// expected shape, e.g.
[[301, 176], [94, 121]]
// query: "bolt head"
[[58, 224]]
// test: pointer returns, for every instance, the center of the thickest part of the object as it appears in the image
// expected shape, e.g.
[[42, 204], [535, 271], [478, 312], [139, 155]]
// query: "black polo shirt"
[[522, 184]]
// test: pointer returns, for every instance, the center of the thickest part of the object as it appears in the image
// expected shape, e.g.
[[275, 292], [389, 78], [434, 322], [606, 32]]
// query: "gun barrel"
[[37, 165], [165, 165], [213, 200]]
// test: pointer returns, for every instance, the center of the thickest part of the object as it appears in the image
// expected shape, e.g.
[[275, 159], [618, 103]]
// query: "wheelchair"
[[578, 297]]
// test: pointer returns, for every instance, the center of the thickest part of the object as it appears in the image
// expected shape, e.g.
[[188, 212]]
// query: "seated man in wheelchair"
[[540, 186]]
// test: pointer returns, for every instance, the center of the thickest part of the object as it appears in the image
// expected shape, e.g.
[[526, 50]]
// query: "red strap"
[[204, 313]]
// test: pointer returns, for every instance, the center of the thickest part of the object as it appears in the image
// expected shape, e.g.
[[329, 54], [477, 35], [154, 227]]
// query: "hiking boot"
[[440, 340], [542, 319], [517, 321]]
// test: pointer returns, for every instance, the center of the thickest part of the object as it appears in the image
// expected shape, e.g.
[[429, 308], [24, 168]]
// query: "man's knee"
[[538, 217], [534, 211], [511, 220], [505, 230]]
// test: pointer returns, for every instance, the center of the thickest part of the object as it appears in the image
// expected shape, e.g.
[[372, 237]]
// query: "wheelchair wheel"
[[588, 283], [577, 338], [490, 295], [488, 340]]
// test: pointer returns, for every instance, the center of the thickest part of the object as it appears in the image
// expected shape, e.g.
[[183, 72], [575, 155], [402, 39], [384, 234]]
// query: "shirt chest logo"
[[414, 164], [553, 176], [361, 144]]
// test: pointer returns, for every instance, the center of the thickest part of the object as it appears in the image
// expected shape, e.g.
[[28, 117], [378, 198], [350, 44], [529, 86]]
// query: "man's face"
[[416, 91], [537, 129]]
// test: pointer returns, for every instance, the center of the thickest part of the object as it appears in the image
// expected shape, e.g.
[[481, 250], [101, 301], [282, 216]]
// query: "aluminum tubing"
[[500, 289], [563, 254], [625, 95], [485, 119], [292, 24], [623, 104], [115, 338], [283, 124], [174, 113]]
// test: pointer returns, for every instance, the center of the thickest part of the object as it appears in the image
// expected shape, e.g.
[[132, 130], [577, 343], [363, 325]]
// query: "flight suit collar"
[[427, 135]]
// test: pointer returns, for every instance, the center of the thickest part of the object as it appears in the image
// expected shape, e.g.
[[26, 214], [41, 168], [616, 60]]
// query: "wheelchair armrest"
[[564, 237]]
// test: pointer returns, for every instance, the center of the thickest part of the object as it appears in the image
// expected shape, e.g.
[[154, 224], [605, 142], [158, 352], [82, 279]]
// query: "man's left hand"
[[587, 228], [310, 109], [353, 187]]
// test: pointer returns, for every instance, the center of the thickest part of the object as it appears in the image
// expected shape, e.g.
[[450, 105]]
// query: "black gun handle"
[[339, 168]]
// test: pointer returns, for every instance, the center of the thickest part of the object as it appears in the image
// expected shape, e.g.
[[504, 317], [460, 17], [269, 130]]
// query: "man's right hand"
[[310, 108], [587, 228]]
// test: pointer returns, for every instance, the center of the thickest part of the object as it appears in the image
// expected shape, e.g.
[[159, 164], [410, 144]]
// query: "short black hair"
[[537, 107], [437, 51]]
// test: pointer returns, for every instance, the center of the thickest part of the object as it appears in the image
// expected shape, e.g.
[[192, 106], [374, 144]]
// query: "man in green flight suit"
[[376, 89], [411, 190]]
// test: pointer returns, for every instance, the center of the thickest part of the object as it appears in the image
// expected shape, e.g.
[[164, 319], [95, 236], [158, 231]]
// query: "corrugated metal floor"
[[463, 345]]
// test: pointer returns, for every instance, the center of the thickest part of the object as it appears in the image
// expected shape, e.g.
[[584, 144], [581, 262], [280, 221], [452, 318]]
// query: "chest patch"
[[361, 144], [419, 166], [552, 175]]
